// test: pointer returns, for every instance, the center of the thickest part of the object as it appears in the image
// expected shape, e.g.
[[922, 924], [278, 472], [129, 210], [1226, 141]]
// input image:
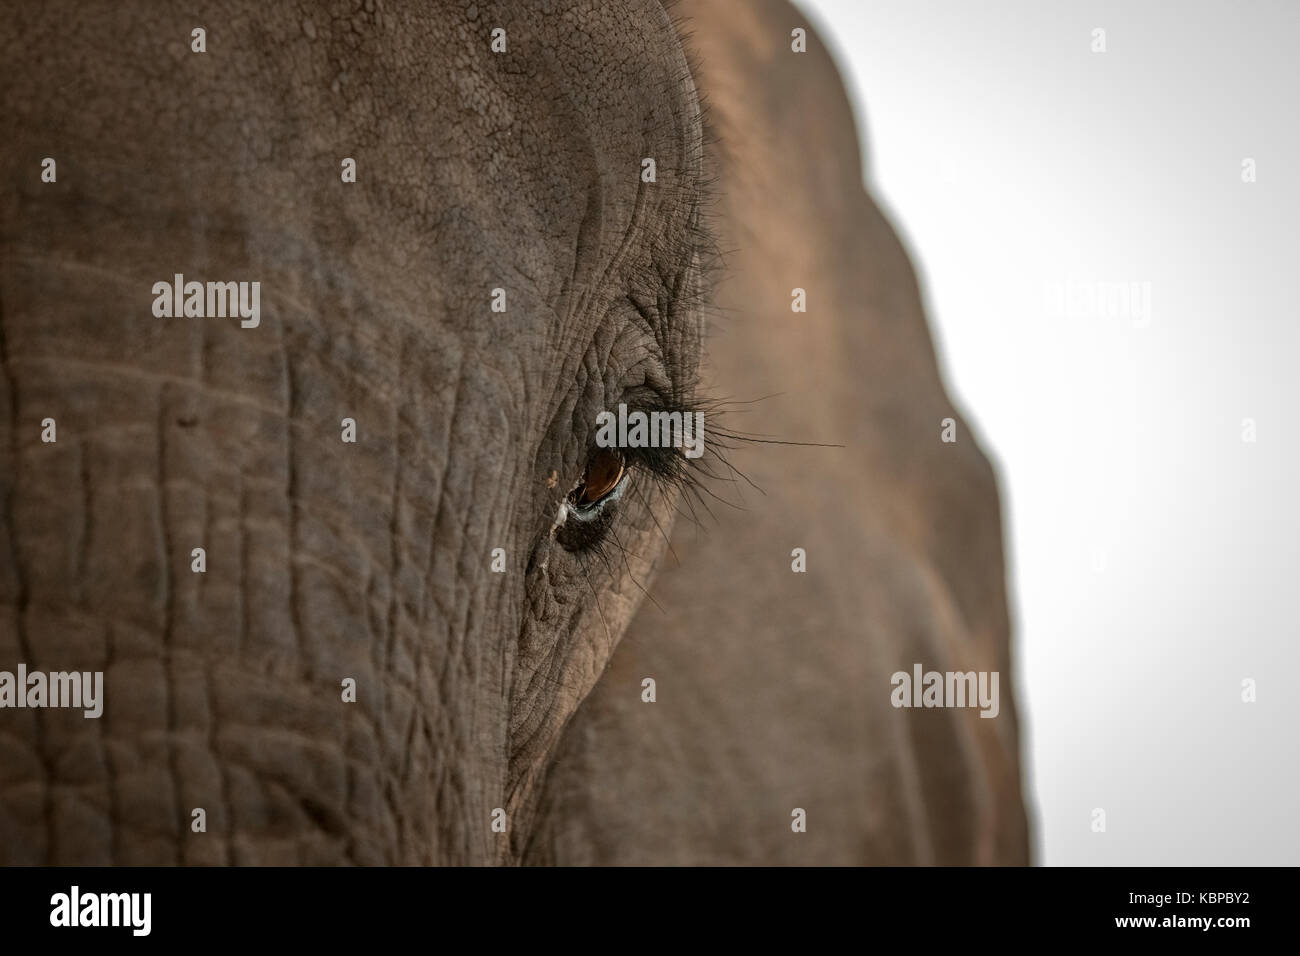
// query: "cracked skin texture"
[[372, 560]]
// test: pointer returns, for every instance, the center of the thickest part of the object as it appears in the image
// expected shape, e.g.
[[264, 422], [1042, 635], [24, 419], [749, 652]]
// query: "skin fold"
[[476, 690]]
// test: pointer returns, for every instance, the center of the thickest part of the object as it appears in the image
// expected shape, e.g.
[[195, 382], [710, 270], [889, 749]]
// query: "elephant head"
[[348, 569]]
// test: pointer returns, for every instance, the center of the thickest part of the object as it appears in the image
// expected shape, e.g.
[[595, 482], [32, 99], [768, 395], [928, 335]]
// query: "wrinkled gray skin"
[[326, 560]]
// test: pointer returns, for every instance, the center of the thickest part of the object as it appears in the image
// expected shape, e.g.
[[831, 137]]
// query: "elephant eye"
[[593, 503], [605, 469]]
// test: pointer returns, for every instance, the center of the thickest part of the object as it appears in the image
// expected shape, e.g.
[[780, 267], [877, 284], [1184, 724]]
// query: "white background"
[[1010, 157]]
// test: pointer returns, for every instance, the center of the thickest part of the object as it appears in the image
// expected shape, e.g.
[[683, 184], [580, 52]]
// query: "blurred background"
[[1114, 307]]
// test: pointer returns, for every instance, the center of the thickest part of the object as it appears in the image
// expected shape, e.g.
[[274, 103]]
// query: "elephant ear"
[[772, 641]]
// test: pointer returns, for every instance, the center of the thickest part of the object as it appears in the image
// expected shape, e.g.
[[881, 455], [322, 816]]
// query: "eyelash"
[[666, 468]]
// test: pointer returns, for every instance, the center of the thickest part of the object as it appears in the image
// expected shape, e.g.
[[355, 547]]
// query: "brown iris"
[[604, 469]]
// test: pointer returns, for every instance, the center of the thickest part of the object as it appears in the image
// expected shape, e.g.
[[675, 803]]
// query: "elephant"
[[307, 316]]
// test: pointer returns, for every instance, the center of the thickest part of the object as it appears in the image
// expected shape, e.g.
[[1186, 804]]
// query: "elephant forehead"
[[479, 165], [483, 134], [540, 161]]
